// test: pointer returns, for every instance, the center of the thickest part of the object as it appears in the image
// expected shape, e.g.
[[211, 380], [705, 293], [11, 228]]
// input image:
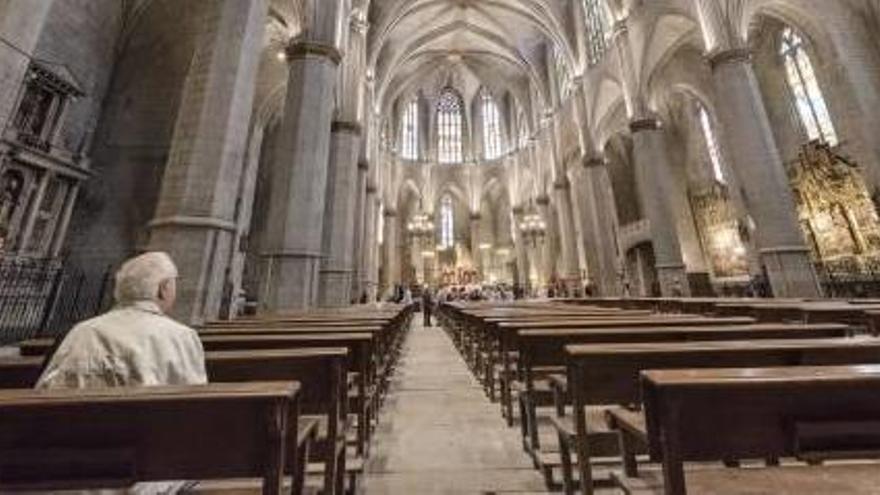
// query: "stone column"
[[522, 262], [600, 227], [759, 169], [360, 227], [293, 243], [570, 272], [544, 251], [392, 271], [195, 214], [21, 24], [653, 176], [338, 234], [475, 220], [370, 244]]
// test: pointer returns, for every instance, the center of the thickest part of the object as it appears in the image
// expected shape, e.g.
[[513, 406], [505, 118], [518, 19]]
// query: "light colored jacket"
[[132, 345]]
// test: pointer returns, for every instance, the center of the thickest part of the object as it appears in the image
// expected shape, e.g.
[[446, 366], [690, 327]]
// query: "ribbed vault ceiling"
[[414, 44]]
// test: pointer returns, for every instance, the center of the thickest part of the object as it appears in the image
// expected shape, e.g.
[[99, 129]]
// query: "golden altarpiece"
[[835, 210], [720, 232]]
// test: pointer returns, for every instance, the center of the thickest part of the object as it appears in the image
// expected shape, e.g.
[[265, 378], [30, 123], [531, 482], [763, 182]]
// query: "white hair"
[[139, 278]]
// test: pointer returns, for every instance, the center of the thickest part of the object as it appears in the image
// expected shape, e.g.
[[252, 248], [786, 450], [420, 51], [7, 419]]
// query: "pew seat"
[[115, 437], [849, 479]]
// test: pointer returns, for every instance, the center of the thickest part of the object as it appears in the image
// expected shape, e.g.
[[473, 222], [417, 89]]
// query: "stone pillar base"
[[673, 281], [288, 282], [334, 288], [790, 272], [201, 254]]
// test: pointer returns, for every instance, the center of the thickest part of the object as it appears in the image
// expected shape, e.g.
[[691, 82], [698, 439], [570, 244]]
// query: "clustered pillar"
[[292, 254], [653, 176], [759, 169], [338, 239], [567, 234], [195, 216], [600, 227]]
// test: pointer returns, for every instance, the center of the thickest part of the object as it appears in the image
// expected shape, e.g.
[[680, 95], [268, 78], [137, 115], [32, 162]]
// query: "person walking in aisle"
[[427, 305]]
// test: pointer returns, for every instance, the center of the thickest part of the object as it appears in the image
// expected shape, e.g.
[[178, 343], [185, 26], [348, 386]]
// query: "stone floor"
[[439, 434]]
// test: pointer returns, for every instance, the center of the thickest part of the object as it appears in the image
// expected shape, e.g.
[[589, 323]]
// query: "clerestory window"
[[449, 127], [808, 98]]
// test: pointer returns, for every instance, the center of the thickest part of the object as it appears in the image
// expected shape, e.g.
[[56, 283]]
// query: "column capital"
[[303, 49], [390, 213], [350, 127], [476, 217], [518, 211], [718, 58], [543, 200], [645, 124]]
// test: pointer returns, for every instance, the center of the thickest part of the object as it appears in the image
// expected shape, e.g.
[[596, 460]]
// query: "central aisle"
[[439, 434]]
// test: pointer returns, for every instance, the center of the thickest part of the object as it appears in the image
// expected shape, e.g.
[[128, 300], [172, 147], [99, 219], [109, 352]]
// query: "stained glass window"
[[447, 225], [449, 127], [491, 127], [410, 131], [808, 98], [599, 24], [712, 145]]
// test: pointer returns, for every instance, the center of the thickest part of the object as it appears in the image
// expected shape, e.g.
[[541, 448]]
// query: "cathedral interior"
[[300, 156]]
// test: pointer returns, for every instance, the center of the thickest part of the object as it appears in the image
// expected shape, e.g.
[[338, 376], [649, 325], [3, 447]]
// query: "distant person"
[[427, 306], [135, 343]]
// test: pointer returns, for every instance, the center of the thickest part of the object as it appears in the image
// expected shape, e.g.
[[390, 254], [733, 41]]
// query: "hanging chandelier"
[[533, 227], [420, 226]]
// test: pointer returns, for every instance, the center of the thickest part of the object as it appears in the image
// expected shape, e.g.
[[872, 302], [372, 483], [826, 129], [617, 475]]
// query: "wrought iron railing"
[[847, 283], [46, 297]]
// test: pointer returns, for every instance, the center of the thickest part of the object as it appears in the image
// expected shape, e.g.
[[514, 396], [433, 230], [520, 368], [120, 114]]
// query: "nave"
[[439, 434], [644, 396]]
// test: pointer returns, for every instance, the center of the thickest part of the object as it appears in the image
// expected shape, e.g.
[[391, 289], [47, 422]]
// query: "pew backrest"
[[106, 438]]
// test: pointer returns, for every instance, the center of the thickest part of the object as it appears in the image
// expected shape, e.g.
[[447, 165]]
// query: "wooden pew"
[[542, 352], [361, 363], [322, 396], [607, 375], [766, 413], [111, 438], [506, 332]]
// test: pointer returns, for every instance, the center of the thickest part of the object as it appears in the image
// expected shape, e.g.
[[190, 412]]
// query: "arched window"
[[449, 130], [447, 223], [491, 127], [808, 98], [410, 131], [599, 24], [712, 145]]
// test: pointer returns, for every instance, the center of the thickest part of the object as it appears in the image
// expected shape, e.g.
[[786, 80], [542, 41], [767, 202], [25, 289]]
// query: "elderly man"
[[134, 344]]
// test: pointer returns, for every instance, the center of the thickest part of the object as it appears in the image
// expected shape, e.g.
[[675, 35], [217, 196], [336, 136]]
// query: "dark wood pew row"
[[361, 362], [114, 437], [478, 337], [805, 413], [542, 353], [322, 397], [603, 378], [505, 332]]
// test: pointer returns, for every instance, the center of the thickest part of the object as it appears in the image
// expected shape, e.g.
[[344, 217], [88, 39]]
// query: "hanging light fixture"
[[533, 227]]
